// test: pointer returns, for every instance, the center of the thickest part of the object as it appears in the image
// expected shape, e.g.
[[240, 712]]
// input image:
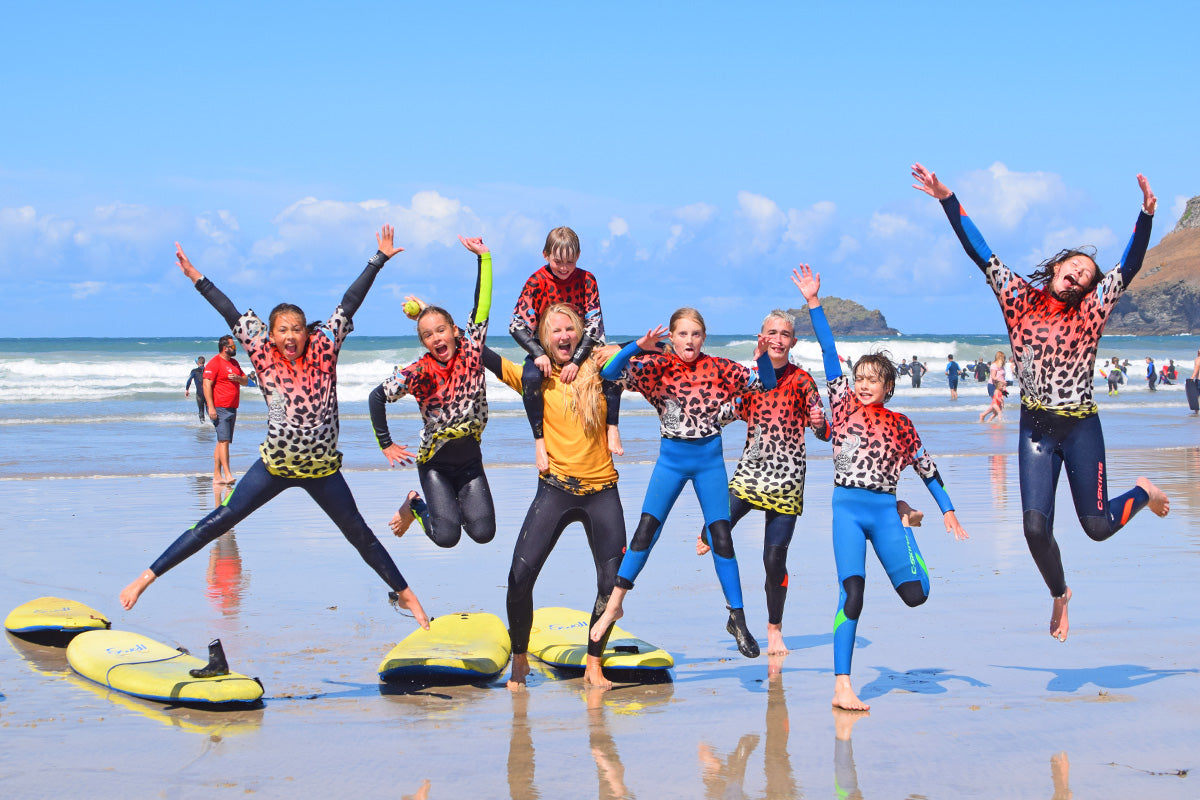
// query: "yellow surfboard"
[[457, 647], [142, 667], [559, 638], [54, 615]]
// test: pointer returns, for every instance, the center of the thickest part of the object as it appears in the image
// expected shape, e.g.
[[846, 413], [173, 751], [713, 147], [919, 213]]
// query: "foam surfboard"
[[48, 615], [559, 638], [142, 667], [457, 647]]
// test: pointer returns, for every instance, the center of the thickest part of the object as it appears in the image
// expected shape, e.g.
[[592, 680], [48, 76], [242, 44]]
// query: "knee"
[[643, 537], [1097, 528], [852, 603], [1037, 527], [720, 537], [520, 582], [912, 593], [482, 531], [775, 564]]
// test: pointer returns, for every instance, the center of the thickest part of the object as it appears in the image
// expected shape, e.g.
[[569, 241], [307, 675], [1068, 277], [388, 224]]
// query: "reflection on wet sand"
[[1060, 773], [998, 475], [725, 777], [224, 579]]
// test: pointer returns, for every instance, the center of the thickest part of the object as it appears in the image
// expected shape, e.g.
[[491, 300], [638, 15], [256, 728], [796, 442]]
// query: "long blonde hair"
[[584, 396]]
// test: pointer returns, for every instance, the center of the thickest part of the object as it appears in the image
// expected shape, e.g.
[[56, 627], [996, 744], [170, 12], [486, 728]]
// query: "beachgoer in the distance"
[[223, 379], [449, 385], [1151, 374], [871, 446], [688, 389], [902, 367], [579, 485], [997, 389], [981, 370], [1167, 374], [952, 370], [916, 370], [1055, 321], [296, 365], [559, 280], [1114, 376], [1192, 386], [770, 474], [196, 378]]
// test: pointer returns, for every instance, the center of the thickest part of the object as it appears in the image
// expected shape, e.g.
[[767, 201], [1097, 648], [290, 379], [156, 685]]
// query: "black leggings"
[[551, 511], [457, 494], [257, 487], [777, 536]]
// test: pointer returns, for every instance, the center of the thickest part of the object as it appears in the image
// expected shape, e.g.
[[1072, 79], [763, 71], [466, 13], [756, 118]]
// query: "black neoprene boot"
[[736, 626], [216, 662]]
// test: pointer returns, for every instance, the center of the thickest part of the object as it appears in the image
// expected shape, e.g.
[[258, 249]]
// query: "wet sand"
[[970, 696]]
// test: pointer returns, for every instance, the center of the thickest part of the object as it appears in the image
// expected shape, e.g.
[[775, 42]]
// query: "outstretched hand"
[[809, 284], [474, 244], [384, 238], [952, 526], [929, 184], [397, 455], [650, 341], [1149, 201], [186, 265]]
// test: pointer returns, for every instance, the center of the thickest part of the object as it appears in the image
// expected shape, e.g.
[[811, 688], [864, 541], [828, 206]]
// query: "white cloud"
[[618, 227], [805, 225], [1177, 209], [1005, 197], [696, 213], [847, 246], [85, 289], [889, 226], [762, 219], [1103, 239]]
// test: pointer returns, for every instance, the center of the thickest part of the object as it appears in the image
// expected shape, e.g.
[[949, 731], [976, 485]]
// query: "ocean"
[[111, 407]]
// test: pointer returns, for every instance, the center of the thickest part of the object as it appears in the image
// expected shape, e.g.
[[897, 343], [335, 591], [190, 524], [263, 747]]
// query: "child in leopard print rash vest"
[[871, 446], [448, 384], [688, 389], [297, 373], [1054, 325]]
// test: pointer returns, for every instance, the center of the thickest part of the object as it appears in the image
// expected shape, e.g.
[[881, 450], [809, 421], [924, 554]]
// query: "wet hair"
[[221, 342], [288, 308], [688, 313], [199, 359], [429, 310], [584, 395], [1044, 273], [562, 244], [880, 364], [779, 313]]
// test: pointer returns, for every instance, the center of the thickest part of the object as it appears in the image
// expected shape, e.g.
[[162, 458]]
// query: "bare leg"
[[844, 696], [520, 671], [593, 676], [1058, 616], [223, 451], [1159, 503], [614, 441], [775, 645], [612, 612], [408, 599], [403, 518], [131, 593]]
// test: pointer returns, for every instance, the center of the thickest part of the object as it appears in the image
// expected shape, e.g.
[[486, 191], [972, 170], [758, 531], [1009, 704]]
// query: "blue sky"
[[701, 150]]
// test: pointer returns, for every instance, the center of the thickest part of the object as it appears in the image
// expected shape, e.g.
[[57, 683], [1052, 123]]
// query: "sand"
[[970, 696]]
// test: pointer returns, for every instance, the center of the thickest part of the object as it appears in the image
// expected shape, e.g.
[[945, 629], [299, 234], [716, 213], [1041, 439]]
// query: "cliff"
[[1164, 298], [846, 318]]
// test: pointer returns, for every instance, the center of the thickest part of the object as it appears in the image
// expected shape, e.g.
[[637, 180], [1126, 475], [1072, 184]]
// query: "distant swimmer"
[[872, 445], [916, 370], [1054, 321], [952, 372], [449, 385], [1192, 386], [688, 389], [296, 366], [770, 474], [196, 378]]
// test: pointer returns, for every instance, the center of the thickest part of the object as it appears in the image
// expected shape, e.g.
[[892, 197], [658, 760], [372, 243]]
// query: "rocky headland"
[[1164, 298], [846, 318]]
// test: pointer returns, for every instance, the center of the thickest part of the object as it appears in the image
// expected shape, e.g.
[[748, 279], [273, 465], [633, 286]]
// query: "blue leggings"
[[257, 487], [702, 462], [1046, 442], [860, 515]]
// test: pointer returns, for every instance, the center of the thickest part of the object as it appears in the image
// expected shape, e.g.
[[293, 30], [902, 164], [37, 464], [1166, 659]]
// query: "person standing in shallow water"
[[1055, 321], [297, 373], [196, 377]]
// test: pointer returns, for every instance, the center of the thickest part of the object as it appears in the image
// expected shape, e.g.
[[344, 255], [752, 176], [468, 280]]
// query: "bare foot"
[[540, 457], [1159, 503], [520, 671], [408, 599], [612, 612], [131, 593], [1058, 617], [702, 548], [844, 696], [614, 441], [775, 645], [843, 722], [593, 676], [403, 518]]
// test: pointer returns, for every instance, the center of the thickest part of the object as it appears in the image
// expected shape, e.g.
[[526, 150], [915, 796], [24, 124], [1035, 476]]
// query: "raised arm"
[[357, 292], [1135, 251], [648, 343], [968, 235], [809, 284], [215, 297], [483, 281]]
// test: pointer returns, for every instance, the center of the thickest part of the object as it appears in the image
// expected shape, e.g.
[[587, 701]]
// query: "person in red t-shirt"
[[223, 378]]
